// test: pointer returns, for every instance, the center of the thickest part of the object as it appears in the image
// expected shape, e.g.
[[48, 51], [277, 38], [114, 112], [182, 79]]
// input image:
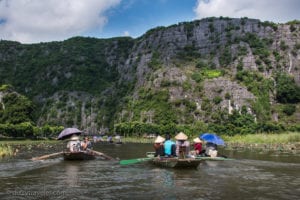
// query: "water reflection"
[[162, 177], [72, 178]]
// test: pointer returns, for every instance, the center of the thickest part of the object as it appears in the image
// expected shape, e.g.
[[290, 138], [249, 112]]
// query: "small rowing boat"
[[176, 162], [173, 162], [80, 155]]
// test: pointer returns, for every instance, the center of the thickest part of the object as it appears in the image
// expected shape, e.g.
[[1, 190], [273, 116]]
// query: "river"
[[252, 175]]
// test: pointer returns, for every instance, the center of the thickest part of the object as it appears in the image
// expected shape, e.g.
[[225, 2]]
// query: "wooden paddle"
[[101, 154], [133, 161], [47, 156]]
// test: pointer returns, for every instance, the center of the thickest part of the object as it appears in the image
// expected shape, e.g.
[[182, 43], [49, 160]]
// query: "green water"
[[252, 175]]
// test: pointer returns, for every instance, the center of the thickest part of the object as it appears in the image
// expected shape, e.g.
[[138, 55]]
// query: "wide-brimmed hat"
[[159, 139], [197, 140], [181, 136]]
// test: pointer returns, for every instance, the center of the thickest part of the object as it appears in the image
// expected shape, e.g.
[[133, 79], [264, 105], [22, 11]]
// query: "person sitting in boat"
[[74, 144], [95, 138], [211, 149], [159, 146], [197, 146], [169, 147], [86, 144], [118, 139], [110, 139], [182, 145]]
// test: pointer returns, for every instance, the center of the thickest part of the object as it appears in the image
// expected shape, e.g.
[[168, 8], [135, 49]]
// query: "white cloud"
[[265, 10], [31, 21], [126, 33]]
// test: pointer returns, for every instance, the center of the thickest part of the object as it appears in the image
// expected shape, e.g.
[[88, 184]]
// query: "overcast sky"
[[33, 21]]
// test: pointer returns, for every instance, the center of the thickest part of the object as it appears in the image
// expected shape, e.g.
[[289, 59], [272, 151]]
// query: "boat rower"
[[74, 144]]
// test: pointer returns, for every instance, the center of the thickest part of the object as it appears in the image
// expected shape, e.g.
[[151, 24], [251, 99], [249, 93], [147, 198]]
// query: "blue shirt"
[[168, 147]]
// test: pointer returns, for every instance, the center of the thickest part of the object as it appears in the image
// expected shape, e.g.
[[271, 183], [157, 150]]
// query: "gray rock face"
[[208, 39], [239, 95]]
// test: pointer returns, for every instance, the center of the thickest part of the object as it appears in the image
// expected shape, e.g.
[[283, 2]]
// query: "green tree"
[[289, 109], [225, 57], [17, 109], [287, 90]]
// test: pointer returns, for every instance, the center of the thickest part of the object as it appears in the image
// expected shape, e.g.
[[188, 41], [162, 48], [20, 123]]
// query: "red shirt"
[[198, 147]]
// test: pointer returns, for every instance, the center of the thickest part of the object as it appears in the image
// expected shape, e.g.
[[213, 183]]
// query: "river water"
[[252, 175]]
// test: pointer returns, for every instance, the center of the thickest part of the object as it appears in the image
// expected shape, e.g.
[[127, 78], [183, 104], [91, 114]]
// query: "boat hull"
[[176, 162], [81, 155], [212, 158]]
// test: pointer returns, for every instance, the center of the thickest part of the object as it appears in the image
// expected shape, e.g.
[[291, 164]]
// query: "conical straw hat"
[[181, 136], [197, 140], [159, 139], [74, 137]]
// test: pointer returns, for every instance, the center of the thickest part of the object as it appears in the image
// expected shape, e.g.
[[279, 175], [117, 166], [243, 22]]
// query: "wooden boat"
[[118, 142], [80, 155], [176, 162]]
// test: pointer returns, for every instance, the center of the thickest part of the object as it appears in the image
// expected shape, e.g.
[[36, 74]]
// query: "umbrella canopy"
[[213, 138], [67, 132]]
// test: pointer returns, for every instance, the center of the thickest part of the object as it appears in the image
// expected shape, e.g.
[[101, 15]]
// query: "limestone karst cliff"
[[199, 71]]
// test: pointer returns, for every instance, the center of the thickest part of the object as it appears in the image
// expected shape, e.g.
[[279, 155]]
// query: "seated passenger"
[[169, 147], [197, 146], [211, 149], [86, 144], [182, 145], [159, 146], [110, 139], [118, 139]]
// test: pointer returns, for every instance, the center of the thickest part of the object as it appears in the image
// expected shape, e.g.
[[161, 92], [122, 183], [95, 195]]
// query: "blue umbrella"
[[67, 132], [213, 138]]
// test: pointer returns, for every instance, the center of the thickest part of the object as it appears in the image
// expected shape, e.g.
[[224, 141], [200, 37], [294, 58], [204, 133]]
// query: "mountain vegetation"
[[225, 75]]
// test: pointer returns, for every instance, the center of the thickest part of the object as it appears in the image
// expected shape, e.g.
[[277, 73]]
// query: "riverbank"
[[265, 141], [5, 150], [13, 147]]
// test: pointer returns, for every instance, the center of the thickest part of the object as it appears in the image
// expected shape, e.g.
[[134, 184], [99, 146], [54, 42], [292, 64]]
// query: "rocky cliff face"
[[198, 68], [211, 36], [171, 54]]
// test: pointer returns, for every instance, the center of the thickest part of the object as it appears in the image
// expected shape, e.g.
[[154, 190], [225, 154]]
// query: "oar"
[[101, 154], [133, 161], [47, 156]]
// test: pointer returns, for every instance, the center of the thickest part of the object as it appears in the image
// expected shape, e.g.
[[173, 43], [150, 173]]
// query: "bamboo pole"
[[47, 156]]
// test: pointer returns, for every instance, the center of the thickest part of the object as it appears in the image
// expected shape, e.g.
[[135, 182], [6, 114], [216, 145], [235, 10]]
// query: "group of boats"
[[170, 162]]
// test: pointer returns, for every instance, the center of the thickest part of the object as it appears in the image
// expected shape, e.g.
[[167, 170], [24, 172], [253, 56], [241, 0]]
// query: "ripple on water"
[[236, 179]]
